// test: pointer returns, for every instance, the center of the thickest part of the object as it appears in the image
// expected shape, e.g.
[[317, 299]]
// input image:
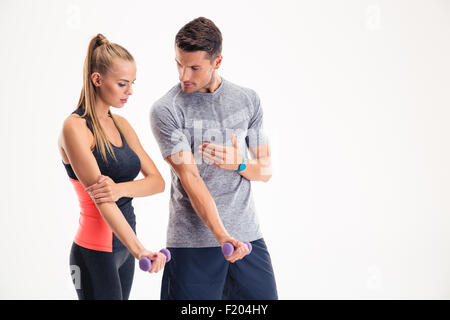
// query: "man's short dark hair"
[[200, 34]]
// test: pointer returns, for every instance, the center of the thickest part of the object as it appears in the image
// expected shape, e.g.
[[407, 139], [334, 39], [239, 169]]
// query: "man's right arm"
[[203, 203], [176, 150]]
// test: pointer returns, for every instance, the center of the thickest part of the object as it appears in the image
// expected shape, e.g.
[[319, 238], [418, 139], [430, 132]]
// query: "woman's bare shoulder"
[[73, 122], [75, 127], [122, 121], [126, 127]]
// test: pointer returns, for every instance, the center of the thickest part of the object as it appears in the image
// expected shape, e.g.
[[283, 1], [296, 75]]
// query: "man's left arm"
[[259, 168]]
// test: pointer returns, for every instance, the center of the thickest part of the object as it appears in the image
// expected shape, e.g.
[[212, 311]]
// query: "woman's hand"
[[158, 260], [105, 190]]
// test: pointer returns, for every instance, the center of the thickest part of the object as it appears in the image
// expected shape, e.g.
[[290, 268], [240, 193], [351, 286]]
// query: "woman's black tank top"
[[125, 169]]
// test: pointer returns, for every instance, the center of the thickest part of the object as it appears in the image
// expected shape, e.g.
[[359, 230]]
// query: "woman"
[[102, 155]]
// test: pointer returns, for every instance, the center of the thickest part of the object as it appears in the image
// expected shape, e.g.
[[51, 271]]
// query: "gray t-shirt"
[[181, 122]]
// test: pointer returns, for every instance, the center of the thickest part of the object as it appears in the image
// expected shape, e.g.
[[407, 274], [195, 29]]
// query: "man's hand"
[[240, 248], [225, 157]]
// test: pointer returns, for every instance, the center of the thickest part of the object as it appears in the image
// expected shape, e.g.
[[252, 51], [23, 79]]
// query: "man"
[[204, 127]]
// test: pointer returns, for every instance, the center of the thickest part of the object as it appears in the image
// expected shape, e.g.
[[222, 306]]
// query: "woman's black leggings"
[[101, 275]]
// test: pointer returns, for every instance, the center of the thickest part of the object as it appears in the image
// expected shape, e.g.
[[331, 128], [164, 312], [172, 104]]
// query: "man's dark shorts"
[[204, 274]]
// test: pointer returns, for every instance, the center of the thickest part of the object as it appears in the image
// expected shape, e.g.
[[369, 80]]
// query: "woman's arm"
[[153, 182], [106, 190], [75, 142]]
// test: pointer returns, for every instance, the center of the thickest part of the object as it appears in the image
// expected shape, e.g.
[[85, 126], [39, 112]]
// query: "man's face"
[[195, 69]]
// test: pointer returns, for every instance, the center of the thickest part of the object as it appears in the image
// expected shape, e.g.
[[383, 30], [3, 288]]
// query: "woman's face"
[[115, 87]]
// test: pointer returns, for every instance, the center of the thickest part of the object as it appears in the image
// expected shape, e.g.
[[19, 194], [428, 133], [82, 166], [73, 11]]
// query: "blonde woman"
[[102, 155]]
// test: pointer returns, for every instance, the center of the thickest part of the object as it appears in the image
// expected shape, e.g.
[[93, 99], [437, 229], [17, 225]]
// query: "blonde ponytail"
[[99, 58]]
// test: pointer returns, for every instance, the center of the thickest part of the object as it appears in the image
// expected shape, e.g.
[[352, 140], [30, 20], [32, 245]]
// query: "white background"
[[356, 102]]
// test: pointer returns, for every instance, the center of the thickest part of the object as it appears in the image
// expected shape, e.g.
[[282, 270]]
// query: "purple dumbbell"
[[228, 248], [145, 264]]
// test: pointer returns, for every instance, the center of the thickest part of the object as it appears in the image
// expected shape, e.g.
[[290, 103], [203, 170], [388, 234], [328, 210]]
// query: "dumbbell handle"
[[145, 263], [228, 248]]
